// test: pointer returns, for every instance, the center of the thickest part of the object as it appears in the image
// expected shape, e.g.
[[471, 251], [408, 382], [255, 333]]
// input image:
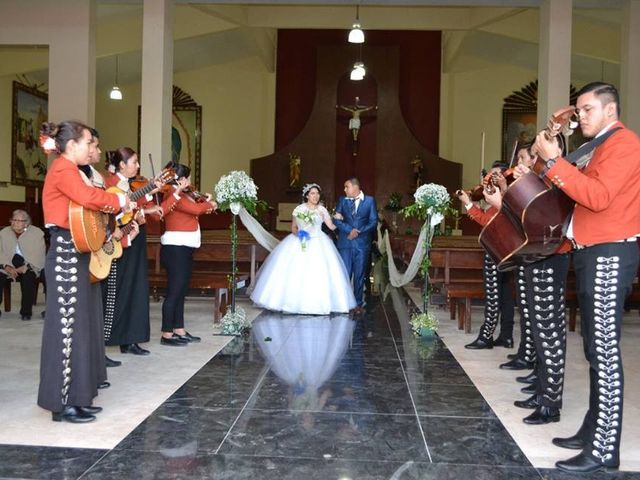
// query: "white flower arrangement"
[[233, 323], [431, 200], [236, 188]]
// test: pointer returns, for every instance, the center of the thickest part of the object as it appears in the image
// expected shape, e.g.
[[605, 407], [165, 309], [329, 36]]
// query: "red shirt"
[[63, 184], [480, 216], [606, 191], [182, 215]]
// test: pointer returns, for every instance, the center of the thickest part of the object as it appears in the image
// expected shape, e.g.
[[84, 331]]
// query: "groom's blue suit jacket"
[[365, 220]]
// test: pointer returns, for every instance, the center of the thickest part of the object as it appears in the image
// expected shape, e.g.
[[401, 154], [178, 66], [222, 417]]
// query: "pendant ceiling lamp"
[[356, 35], [116, 93]]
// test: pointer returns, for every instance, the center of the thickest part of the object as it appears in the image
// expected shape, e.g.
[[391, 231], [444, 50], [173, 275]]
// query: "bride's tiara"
[[309, 186]]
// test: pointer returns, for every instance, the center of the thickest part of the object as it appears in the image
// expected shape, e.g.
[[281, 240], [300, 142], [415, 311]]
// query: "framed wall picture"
[[28, 161], [517, 127], [186, 133]]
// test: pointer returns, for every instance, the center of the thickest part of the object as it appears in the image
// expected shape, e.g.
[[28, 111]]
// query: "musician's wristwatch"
[[551, 162]]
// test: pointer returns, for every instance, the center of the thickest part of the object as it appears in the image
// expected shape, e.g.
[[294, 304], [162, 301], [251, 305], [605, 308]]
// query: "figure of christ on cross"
[[354, 122]]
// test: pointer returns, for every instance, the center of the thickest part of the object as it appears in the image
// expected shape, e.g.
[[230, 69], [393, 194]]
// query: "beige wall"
[[471, 103], [238, 110]]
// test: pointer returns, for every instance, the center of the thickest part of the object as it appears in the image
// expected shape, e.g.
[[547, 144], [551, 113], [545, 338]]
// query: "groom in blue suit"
[[356, 222]]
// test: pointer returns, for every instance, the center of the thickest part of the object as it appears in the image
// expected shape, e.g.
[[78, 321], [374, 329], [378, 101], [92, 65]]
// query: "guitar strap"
[[580, 156]]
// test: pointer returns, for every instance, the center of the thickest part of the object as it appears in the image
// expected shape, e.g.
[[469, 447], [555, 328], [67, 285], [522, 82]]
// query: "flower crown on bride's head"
[[308, 187]]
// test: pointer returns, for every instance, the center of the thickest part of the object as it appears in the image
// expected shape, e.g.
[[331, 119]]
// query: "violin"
[[140, 186], [190, 192], [489, 183]]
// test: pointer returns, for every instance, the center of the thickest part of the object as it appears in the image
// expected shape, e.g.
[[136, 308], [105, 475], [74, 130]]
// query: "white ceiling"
[[221, 31]]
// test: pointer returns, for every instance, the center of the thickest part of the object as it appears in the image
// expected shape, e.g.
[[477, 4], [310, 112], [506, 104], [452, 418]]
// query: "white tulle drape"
[[396, 278], [254, 227]]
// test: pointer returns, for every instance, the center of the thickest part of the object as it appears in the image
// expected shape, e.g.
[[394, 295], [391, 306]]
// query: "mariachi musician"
[[497, 285], [542, 286], [126, 321], [67, 379], [603, 230]]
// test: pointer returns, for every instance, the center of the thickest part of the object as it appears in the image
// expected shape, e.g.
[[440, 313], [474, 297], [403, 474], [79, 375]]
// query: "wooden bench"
[[211, 266], [460, 296]]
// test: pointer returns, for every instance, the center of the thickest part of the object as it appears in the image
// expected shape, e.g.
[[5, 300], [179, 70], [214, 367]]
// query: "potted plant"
[[424, 324], [394, 205]]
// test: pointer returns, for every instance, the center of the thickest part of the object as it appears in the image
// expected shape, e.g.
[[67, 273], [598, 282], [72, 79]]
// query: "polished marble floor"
[[316, 398]]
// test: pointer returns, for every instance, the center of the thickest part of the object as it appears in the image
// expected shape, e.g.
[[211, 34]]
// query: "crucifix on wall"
[[355, 123]]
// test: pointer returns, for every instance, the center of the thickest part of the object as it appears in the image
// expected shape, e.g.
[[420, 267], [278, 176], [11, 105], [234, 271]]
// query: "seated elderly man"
[[22, 252]]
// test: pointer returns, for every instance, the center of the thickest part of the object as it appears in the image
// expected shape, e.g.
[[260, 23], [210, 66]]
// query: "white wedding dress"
[[305, 277]]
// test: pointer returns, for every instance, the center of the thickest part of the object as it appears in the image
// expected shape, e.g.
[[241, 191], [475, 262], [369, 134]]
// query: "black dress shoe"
[[480, 344], [187, 337], [173, 341], [543, 415], [531, 378], [72, 415], [43, 313], [103, 385], [90, 410], [584, 464], [517, 364], [134, 348], [511, 356], [112, 363], [503, 342], [530, 403], [572, 443], [529, 389], [25, 317]]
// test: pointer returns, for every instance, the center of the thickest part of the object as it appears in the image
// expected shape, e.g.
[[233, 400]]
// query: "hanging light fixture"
[[116, 93], [356, 35], [358, 71]]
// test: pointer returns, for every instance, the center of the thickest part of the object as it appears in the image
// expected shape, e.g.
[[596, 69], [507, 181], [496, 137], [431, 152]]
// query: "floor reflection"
[[304, 352]]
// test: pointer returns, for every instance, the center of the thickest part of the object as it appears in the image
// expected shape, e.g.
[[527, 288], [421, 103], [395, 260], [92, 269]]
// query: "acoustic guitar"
[[88, 227], [531, 224], [100, 262]]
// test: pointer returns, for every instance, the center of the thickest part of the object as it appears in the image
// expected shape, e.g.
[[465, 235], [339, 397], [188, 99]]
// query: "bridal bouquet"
[[307, 216], [236, 190]]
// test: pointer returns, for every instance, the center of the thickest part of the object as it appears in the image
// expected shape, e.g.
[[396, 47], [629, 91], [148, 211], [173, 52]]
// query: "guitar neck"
[[141, 192], [126, 229]]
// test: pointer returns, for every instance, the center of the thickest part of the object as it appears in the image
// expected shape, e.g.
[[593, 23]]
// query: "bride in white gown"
[[304, 274]]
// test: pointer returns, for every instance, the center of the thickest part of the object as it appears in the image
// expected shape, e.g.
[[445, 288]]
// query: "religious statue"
[[354, 122], [416, 163], [294, 170]]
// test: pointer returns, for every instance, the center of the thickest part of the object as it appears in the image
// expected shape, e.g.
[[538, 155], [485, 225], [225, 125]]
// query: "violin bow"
[[513, 153], [153, 174]]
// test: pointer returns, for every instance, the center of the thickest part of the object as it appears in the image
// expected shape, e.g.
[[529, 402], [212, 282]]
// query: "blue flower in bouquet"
[[303, 235]]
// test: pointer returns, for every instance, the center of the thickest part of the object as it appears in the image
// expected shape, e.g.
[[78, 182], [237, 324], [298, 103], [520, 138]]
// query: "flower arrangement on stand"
[[432, 202], [235, 191]]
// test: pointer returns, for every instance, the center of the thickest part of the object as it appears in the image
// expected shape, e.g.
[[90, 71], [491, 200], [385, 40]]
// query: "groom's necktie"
[[353, 206]]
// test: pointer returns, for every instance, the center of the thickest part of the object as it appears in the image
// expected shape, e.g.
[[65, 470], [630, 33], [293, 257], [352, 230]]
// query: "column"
[[630, 65], [157, 83], [554, 58]]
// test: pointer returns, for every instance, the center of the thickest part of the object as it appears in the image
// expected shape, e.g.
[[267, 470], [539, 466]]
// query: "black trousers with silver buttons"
[[546, 282]]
